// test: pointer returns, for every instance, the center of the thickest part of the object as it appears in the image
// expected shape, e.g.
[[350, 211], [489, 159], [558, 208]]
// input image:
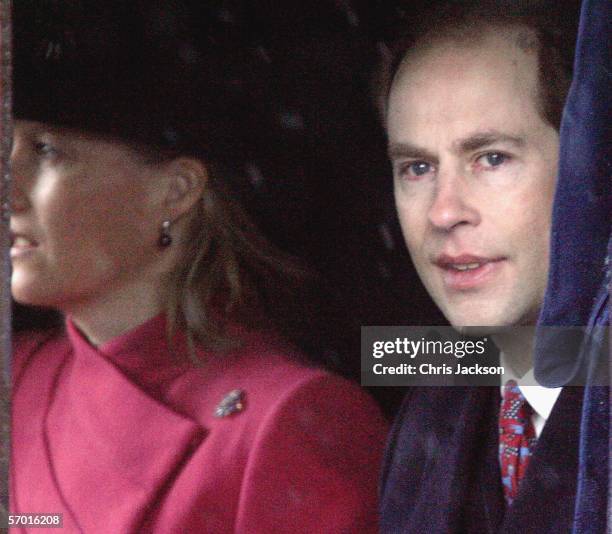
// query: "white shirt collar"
[[540, 398]]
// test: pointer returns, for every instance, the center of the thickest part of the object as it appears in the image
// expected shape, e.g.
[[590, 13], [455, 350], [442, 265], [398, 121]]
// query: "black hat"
[[145, 71]]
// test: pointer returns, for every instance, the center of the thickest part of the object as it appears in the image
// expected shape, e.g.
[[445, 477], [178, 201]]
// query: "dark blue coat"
[[441, 473]]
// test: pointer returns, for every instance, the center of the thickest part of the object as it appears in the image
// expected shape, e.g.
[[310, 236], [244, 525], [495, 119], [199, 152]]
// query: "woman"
[[158, 407]]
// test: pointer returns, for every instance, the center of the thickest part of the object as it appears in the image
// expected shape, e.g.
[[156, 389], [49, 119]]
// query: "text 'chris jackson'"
[[430, 369]]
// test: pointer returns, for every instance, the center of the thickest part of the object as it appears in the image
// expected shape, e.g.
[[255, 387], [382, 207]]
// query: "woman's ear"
[[184, 186]]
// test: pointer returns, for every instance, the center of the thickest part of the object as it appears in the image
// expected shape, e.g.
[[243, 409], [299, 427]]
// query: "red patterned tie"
[[516, 438]]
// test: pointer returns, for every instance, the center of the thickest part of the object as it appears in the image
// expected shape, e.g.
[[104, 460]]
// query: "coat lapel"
[[545, 502], [99, 418], [484, 510], [439, 448]]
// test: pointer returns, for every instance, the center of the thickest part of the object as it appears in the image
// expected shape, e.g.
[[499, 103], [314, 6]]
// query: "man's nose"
[[453, 203]]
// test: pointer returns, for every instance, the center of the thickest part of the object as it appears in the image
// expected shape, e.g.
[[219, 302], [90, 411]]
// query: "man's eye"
[[415, 169], [492, 159]]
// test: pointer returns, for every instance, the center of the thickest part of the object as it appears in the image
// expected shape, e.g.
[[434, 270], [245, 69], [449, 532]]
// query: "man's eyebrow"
[[483, 139], [408, 150], [468, 144]]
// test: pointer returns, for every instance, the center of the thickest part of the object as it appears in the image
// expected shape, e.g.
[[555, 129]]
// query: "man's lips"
[[462, 261], [468, 271]]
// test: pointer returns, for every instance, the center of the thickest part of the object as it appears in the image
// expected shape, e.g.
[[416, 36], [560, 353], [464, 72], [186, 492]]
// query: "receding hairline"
[[474, 31], [466, 35], [463, 36]]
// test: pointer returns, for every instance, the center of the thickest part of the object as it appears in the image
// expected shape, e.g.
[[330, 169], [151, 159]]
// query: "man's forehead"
[[474, 83], [516, 43]]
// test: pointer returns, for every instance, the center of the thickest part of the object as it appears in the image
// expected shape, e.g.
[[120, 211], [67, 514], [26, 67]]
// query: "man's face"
[[474, 168]]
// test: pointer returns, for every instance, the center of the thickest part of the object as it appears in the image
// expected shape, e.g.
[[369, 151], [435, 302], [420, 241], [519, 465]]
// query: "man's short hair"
[[462, 26]]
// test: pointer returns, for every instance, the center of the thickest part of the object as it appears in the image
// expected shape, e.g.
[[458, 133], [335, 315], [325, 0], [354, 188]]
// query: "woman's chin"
[[31, 295]]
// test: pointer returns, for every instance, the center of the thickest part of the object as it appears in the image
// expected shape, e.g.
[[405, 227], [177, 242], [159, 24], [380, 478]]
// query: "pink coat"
[[123, 438]]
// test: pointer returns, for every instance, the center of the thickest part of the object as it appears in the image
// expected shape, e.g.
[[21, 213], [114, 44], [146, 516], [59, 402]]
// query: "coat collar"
[[100, 417]]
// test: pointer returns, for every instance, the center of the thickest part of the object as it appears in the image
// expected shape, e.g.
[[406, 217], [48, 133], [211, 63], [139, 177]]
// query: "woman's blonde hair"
[[229, 273]]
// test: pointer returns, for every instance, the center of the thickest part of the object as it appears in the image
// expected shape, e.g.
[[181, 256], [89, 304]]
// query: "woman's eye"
[[492, 159], [45, 149]]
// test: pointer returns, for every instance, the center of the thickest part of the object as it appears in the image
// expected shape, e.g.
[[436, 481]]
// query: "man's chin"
[[472, 322], [478, 324], [479, 330]]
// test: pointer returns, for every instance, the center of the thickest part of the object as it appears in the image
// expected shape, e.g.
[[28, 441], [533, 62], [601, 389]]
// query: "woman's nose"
[[18, 196]]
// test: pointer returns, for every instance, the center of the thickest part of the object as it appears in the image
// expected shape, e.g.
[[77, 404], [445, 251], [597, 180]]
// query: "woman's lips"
[[468, 271], [21, 245]]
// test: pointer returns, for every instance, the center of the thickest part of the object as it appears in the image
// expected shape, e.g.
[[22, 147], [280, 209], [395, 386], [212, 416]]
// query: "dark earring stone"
[[165, 239]]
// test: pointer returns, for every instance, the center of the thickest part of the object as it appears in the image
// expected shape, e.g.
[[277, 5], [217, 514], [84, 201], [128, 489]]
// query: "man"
[[472, 114]]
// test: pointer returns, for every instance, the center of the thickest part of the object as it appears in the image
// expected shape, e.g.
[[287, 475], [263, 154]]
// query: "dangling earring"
[[165, 239]]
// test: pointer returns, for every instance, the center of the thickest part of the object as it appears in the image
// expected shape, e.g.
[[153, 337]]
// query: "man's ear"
[[185, 182]]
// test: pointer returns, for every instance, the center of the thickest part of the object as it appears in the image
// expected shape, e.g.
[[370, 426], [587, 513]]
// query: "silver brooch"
[[232, 403]]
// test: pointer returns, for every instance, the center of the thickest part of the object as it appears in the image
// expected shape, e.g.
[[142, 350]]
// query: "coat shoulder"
[[268, 376]]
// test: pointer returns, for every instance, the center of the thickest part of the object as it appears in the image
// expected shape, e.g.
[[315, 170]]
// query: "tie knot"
[[514, 404]]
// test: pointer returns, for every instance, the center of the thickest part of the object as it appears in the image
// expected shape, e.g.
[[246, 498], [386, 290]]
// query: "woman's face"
[[85, 218]]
